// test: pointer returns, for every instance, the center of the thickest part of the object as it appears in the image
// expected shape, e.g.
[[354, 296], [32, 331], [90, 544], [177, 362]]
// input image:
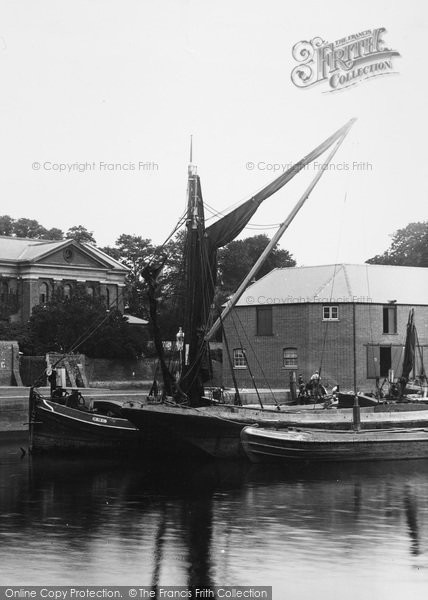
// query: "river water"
[[340, 531]]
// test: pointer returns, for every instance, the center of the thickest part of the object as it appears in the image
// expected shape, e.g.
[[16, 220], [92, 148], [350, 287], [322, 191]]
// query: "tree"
[[62, 323], [79, 233], [28, 228], [134, 252], [236, 259], [409, 247], [16, 331], [6, 225], [53, 234]]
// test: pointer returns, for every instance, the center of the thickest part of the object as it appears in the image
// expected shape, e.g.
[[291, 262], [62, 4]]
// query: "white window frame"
[[238, 356], [330, 308], [292, 355]]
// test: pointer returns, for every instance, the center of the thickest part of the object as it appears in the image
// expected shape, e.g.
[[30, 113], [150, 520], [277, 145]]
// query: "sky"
[[87, 86]]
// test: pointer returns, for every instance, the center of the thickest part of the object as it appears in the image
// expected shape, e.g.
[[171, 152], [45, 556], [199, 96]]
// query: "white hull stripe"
[[104, 425]]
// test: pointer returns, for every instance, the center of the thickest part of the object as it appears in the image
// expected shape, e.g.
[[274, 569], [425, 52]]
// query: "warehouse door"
[[385, 360]]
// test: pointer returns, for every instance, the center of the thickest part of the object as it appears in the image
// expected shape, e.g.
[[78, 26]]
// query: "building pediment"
[[72, 256], [68, 253]]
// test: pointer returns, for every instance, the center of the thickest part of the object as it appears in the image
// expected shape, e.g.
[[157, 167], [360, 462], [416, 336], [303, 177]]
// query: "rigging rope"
[[338, 249], [233, 315]]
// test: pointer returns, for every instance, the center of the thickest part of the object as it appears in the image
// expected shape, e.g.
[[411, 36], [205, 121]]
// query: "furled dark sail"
[[409, 349], [199, 285]]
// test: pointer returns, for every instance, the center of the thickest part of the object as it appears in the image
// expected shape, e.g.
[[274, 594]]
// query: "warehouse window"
[[389, 319], [330, 313], [289, 358], [239, 361], [264, 320]]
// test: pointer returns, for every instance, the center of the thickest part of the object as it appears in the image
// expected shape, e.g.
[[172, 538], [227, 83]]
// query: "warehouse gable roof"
[[377, 284]]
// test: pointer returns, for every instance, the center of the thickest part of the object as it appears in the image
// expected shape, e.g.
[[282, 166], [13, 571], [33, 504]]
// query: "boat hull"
[[215, 431], [57, 427], [264, 445], [187, 432], [347, 400]]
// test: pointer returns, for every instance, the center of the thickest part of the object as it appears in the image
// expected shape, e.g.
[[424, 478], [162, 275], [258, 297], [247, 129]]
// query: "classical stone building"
[[348, 320], [32, 270]]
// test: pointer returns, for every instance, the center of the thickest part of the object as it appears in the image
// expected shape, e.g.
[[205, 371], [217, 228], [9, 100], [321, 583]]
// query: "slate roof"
[[18, 250], [340, 283]]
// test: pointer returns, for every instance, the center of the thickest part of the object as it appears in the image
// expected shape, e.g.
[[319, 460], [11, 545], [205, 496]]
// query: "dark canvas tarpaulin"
[[199, 282], [409, 348]]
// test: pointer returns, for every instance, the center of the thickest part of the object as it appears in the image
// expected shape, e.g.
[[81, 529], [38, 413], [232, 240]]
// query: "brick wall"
[[100, 369], [325, 344]]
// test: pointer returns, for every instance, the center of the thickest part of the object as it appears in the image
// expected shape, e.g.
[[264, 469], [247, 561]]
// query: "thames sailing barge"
[[182, 415]]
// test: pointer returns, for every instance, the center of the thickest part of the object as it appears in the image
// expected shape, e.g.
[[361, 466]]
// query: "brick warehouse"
[[305, 318], [31, 270]]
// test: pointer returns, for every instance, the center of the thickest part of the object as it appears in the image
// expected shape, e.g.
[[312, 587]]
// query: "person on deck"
[[302, 395], [314, 383], [315, 377]]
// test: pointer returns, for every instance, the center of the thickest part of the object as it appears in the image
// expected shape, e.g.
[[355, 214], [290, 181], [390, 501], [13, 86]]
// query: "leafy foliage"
[[53, 234], [60, 324], [6, 225], [79, 233], [32, 229], [409, 247], [236, 259], [134, 252], [16, 331], [28, 228]]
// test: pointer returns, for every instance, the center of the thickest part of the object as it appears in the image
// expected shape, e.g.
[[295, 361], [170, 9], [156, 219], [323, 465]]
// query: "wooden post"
[[293, 387], [356, 414]]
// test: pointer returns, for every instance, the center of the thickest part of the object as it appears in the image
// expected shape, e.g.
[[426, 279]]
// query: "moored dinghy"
[[312, 445]]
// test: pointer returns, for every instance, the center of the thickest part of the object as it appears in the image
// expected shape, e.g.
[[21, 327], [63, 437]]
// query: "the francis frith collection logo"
[[344, 62]]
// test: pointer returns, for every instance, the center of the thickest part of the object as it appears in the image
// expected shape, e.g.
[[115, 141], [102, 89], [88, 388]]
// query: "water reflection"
[[304, 530], [410, 504]]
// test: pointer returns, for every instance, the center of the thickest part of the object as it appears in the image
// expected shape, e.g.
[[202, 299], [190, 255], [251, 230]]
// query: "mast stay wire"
[[338, 250]]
